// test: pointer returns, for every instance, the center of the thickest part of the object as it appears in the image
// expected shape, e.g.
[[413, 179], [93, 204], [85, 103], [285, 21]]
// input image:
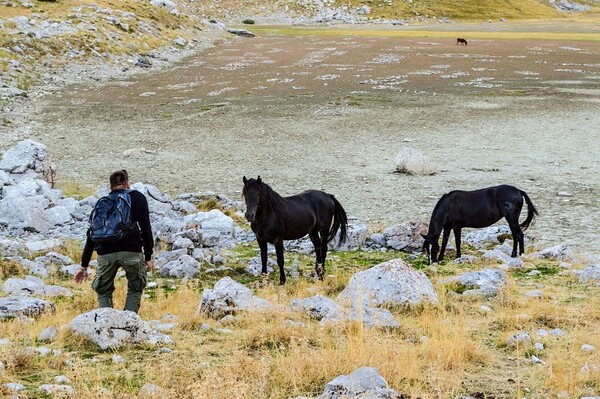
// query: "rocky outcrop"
[[111, 329], [33, 286], [27, 159]]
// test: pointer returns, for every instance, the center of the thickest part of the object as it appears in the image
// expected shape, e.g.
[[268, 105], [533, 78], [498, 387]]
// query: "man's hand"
[[150, 265], [81, 275]]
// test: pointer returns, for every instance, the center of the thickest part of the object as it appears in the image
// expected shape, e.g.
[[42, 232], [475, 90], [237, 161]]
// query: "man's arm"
[[145, 228], [88, 250]]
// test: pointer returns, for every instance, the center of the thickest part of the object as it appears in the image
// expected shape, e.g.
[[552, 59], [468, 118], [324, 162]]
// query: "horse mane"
[[272, 197]]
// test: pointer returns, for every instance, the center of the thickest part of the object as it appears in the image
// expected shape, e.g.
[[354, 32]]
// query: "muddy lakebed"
[[332, 111]]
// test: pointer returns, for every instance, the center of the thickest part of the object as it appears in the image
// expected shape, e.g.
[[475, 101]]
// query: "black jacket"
[[141, 236]]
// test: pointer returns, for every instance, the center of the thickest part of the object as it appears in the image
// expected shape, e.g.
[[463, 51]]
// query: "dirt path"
[[332, 112]]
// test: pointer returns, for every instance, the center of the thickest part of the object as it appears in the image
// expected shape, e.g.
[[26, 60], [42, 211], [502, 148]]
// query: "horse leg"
[[444, 243], [517, 234], [263, 255], [314, 238], [280, 261], [323, 234], [457, 239]]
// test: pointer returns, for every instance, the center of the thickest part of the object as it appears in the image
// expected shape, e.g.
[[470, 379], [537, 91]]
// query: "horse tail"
[[340, 222], [531, 212]]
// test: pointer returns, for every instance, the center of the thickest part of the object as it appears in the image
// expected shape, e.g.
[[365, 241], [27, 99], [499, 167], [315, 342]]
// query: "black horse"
[[461, 40], [479, 208], [274, 218]]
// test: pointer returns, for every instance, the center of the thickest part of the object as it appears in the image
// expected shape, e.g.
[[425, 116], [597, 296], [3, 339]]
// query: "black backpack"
[[110, 220]]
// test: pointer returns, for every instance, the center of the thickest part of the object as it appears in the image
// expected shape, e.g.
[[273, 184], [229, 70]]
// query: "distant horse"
[[479, 208], [274, 218], [460, 40]]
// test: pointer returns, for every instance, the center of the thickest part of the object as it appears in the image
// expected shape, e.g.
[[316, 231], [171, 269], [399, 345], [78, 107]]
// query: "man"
[[125, 252]]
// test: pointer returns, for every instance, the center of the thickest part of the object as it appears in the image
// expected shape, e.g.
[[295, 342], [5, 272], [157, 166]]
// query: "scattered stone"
[[508, 262], [482, 238], [485, 308], [413, 162], [390, 283], [587, 348], [228, 297], [557, 332], [111, 328], [558, 252], [15, 306], [241, 32], [539, 346], [542, 333], [255, 266], [365, 382], [537, 360], [185, 266], [151, 390], [48, 335], [117, 359], [62, 379], [318, 306], [484, 283], [14, 387], [521, 338], [180, 41], [465, 259], [537, 294], [56, 389], [534, 273]]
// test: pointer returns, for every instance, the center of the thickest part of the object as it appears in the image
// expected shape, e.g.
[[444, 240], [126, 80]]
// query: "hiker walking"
[[119, 229]]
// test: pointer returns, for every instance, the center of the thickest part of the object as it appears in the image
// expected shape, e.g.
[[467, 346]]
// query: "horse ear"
[[245, 180], [259, 179]]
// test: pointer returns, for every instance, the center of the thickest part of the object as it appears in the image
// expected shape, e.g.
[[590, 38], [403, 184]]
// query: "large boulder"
[[363, 383], [228, 297], [27, 158], [406, 236], [390, 283], [33, 286], [26, 213], [111, 329], [215, 228], [16, 306], [482, 238], [413, 162], [486, 282]]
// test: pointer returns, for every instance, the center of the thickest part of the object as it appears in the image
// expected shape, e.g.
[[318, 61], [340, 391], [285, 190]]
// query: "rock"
[[111, 328], [537, 360], [413, 162], [365, 314], [507, 260], [557, 332], [521, 338], [241, 32], [568, 6], [539, 346], [464, 260], [10, 247], [32, 267], [534, 273], [33, 286], [557, 252], [2, 368], [163, 3], [27, 158], [255, 266], [48, 335], [390, 283], [590, 274], [143, 62], [406, 236], [15, 306], [587, 348], [228, 297], [185, 266], [151, 391], [357, 236], [541, 333], [162, 258], [55, 389], [14, 387], [54, 258], [134, 153], [117, 359], [490, 235], [318, 306], [363, 10], [182, 243], [365, 382], [180, 41], [536, 294], [26, 213], [377, 240], [42, 245], [485, 283], [62, 379]]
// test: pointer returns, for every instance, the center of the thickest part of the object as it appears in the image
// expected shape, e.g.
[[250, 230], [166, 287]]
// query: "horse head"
[[431, 247], [253, 194]]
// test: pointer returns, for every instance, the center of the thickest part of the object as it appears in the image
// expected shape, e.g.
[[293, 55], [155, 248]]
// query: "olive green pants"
[[104, 283]]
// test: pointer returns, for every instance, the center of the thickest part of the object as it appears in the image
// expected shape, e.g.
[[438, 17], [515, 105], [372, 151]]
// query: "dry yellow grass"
[[439, 352]]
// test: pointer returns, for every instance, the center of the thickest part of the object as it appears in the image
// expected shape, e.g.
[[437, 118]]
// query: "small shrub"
[[248, 21]]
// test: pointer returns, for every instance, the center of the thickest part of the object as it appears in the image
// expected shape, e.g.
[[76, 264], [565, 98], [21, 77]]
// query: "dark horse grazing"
[[274, 218], [460, 40], [479, 208]]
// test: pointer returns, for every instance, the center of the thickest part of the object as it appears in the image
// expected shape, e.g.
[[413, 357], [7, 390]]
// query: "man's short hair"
[[119, 178]]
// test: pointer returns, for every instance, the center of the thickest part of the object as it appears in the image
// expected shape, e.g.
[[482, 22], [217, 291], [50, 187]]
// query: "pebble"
[[539, 346], [587, 348]]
